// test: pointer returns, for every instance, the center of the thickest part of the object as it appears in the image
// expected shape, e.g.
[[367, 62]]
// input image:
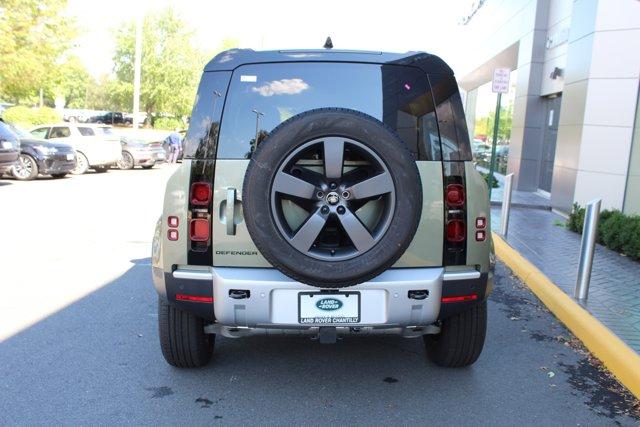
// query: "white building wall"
[[599, 103]]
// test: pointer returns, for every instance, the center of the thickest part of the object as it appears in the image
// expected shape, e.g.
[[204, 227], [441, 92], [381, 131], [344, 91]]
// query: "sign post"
[[499, 85]]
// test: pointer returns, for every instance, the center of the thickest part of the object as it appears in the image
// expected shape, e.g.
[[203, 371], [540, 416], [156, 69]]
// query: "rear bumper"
[[387, 301], [143, 158]]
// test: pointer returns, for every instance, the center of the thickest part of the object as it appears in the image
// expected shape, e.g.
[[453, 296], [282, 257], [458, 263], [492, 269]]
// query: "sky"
[[396, 26]]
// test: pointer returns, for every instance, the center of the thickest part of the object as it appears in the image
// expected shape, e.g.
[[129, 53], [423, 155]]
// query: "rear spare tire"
[[332, 197]]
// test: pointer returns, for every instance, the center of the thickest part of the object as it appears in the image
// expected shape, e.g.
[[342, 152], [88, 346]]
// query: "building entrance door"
[[550, 134]]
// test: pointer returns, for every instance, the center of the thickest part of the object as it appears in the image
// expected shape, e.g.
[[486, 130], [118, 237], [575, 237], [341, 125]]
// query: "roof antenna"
[[328, 44]]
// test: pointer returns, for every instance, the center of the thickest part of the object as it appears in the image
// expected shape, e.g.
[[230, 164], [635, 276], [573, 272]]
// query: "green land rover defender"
[[325, 193]]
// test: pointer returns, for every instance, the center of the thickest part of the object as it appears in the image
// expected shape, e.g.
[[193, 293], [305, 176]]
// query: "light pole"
[[137, 64], [255, 143]]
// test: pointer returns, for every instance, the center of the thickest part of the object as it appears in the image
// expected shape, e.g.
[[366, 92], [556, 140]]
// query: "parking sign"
[[500, 82]]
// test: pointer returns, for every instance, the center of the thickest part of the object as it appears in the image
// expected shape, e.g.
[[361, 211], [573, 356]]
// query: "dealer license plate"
[[328, 307]]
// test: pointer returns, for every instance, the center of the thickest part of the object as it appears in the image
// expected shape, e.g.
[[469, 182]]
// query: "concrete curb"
[[619, 358]]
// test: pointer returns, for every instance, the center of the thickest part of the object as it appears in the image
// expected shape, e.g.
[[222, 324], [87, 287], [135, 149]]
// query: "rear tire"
[[460, 340], [182, 338]]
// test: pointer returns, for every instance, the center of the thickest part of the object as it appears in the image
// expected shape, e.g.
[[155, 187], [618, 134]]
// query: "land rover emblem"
[[329, 304]]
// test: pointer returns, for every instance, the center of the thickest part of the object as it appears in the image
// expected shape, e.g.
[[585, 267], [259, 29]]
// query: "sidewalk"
[[614, 295]]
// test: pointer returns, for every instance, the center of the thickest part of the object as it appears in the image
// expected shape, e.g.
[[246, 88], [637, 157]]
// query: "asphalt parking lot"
[[78, 339]]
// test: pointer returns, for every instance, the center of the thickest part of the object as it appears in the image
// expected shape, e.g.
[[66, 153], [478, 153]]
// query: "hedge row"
[[25, 116], [168, 123], [616, 230]]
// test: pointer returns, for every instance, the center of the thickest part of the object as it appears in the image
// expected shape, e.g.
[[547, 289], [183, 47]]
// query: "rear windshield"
[[86, 131], [262, 96]]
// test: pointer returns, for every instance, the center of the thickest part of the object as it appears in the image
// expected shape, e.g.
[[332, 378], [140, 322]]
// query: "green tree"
[[33, 36], [71, 82], [484, 125], [170, 65]]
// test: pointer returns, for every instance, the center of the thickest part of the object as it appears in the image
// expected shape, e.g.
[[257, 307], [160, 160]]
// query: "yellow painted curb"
[[618, 357]]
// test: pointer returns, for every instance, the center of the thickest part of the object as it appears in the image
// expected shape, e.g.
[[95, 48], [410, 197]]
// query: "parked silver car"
[[136, 152]]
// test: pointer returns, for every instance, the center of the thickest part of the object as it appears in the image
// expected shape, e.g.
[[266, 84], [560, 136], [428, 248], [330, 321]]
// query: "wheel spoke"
[[289, 184], [375, 186], [358, 233], [307, 234], [333, 156]]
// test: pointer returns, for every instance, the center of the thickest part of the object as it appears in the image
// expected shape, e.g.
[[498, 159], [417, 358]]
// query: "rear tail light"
[[193, 298], [456, 230], [199, 230], [460, 298], [200, 193], [454, 195]]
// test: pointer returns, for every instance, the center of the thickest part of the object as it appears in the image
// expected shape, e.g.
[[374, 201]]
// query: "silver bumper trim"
[[461, 275], [181, 273], [273, 298]]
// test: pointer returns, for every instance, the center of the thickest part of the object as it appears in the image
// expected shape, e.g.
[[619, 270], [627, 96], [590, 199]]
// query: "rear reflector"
[[200, 193], [173, 221], [481, 235], [460, 298], [199, 230], [172, 235], [456, 230], [481, 222], [193, 298], [454, 195]]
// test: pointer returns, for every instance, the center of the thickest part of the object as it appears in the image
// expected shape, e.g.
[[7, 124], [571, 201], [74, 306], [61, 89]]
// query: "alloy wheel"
[[333, 198]]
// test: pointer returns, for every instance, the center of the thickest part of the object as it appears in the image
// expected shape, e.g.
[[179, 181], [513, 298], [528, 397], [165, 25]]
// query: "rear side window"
[[262, 96], [202, 137], [86, 131], [60, 132], [451, 122]]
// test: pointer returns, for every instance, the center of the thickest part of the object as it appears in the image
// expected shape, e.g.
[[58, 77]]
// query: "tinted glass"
[[204, 125], [60, 132], [263, 96], [86, 131], [451, 123], [40, 133]]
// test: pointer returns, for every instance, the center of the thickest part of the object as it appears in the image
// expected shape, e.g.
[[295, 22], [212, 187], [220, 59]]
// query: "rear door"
[[260, 97]]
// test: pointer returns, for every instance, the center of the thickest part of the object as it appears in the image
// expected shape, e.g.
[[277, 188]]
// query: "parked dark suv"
[[9, 148], [111, 118], [336, 194]]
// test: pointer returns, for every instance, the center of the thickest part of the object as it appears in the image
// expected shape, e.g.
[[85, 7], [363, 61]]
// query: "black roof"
[[231, 59]]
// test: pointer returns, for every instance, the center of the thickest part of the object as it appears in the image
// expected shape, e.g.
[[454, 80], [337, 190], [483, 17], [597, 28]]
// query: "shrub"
[[576, 219], [168, 123], [494, 181], [617, 231], [25, 116]]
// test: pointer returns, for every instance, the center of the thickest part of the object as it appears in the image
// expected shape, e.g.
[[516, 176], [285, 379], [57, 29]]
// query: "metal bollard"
[[506, 204], [587, 249]]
